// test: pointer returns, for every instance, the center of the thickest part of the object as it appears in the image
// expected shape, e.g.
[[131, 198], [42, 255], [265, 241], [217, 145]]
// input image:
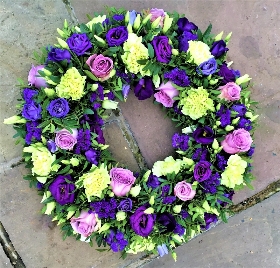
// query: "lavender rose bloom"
[[144, 89], [100, 66], [79, 43], [31, 111], [58, 54], [166, 94], [163, 49], [184, 41], [230, 91], [207, 67], [184, 25], [85, 224], [28, 94], [34, 78], [141, 223], [121, 181], [204, 135], [125, 205], [183, 190], [65, 140], [58, 108], [218, 48], [168, 221], [202, 171], [117, 36], [157, 12], [61, 190], [227, 74], [238, 141], [92, 156]]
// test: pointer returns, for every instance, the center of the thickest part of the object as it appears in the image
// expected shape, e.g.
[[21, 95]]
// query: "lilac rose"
[[183, 190], [166, 94], [230, 91], [157, 12], [62, 191], [117, 36], [163, 49], [34, 78], [202, 171], [218, 48], [66, 140], [79, 43], [31, 111]]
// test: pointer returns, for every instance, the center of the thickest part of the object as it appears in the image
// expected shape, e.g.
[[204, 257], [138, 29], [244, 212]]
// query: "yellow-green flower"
[[140, 244], [233, 174], [71, 85], [134, 50], [95, 181], [196, 102], [200, 52], [42, 159], [168, 166]]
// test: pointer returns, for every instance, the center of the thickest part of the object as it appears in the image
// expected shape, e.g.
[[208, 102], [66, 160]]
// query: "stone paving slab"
[[4, 261], [249, 239]]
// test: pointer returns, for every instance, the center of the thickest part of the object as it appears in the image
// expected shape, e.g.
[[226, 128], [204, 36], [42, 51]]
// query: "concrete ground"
[[250, 239]]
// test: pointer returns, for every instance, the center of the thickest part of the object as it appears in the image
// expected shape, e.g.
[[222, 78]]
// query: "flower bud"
[[188, 161], [218, 123], [228, 37], [155, 23], [94, 87], [46, 72], [229, 128], [137, 21], [61, 33], [50, 207], [126, 18], [243, 79], [167, 23], [51, 82], [104, 227], [46, 195], [254, 117], [218, 107], [111, 194], [149, 210], [146, 19], [74, 161], [134, 191], [100, 40], [156, 80], [62, 43], [65, 24], [174, 256], [209, 76], [109, 104], [14, 120], [248, 114], [152, 200], [213, 82], [187, 130], [65, 162], [235, 120], [112, 73], [175, 52], [219, 36], [215, 144], [120, 215], [50, 92], [129, 28], [146, 175], [70, 214], [177, 209]]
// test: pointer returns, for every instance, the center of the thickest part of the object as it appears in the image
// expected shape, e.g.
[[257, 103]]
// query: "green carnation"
[[196, 102]]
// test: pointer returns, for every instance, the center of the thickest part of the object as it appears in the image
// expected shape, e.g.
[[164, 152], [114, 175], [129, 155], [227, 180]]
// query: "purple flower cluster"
[[32, 132], [240, 109], [224, 115], [180, 141], [209, 218], [179, 229], [245, 123], [32, 111], [210, 185], [228, 75], [105, 209], [251, 151], [200, 154], [92, 156], [178, 77], [184, 214], [221, 161], [165, 189], [116, 241], [83, 141], [28, 94], [127, 77], [168, 199], [227, 195]]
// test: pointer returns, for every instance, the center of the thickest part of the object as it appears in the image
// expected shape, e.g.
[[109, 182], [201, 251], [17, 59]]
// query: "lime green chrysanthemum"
[[95, 181], [200, 52], [233, 174], [168, 166], [71, 85], [196, 103], [134, 50], [140, 244]]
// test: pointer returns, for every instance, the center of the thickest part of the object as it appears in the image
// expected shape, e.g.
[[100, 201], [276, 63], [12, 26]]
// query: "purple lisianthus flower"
[[168, 221], [32, 131], [184, 214], [218, 48], [153, 181], [251, 151], [184, 25], [168, 199], [61, 190], [92, 156], [208, 67], [209, 218], [125, 205], [58, 54], [221, 161], [51, 146], [58, 108], [165, 189], [117, 36], [110, 95], [132, 16], [83, 141], [240, 109], [178, 77], [184, 40], [162, 250], [144, 89], [105, 208], [204, 135], [163, 49], [180, 141], [227, 74], [210, 185], [32, 111], [179, 229], [245, 123], [28, 94], [225, 118], [125, 90], [141, 223], [200, 154], [116, 241], [40, 186], [79, 43], [118, 17], [202, 171]]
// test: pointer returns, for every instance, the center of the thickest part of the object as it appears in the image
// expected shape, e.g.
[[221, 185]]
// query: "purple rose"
[[230, 91], [204, 135], [141, 223], [153, 181], [240, 109], [28, 94], [31, 111], [162, 48], [168, 221], [184, 41], [227, 74], [61, 190], [34, 78], [144, 89], [66, 140], [209, 218], [51, 146], [202, 171], [58, 108], [208, 67], [117, 36], [218, 48], [58, 54], [184, 25], [125, 205], [79, 43], [92, 156]]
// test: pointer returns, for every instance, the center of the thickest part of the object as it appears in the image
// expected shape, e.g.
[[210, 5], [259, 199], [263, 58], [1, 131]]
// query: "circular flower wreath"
[[61, 115]]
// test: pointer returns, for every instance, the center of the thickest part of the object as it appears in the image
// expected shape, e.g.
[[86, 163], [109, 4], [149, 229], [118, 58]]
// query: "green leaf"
[[90, 75], [151, 51], [208, 30], [88, 111]]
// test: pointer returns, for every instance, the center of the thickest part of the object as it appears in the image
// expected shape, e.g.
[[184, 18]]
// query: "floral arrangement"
[[63, 108]]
